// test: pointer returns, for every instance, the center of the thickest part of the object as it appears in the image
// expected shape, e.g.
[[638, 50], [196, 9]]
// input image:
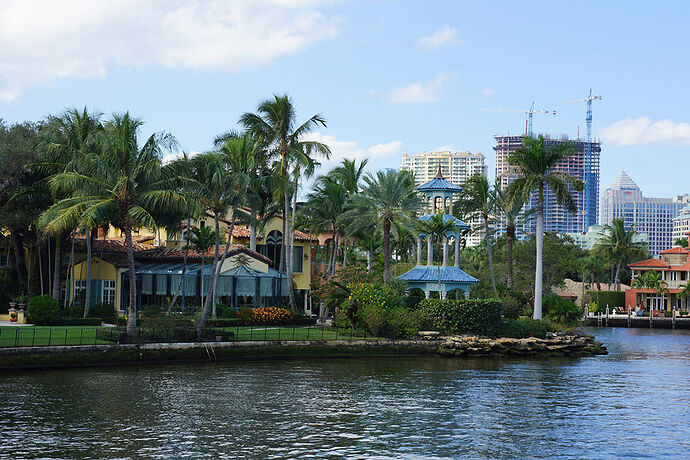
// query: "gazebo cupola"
[[438, 196]]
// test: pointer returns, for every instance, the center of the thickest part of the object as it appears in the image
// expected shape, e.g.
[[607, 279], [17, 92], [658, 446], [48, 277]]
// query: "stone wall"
[[553, 345]]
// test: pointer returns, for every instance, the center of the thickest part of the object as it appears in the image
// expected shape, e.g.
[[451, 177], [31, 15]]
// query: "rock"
[[553, 344]]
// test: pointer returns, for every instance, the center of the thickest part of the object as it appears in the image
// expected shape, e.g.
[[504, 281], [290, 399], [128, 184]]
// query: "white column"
[[443, 295], [419, 251], [457, 251], [429, 251], [445, 252], [427, 293], [467, 295]]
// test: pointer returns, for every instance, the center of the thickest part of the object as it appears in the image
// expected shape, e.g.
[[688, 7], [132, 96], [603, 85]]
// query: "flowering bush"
[[330, 290], [378, 309], [270, 316]]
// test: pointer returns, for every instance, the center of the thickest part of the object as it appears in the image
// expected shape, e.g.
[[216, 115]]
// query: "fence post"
[[33, 337], [66, 337], [251, 332], [279, 328], [323, 330], [16, 335], [50, 335], [265, 331], [81, 336], [308, 327]]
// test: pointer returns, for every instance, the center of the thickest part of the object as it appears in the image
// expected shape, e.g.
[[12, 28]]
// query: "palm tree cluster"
[[89, 172]]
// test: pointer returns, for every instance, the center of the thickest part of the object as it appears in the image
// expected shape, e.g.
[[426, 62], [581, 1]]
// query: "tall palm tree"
[[619, 243], [275, 121], [477, 199], [387, 197], [438, 229], [535, 162], [124, 184], [200, 240], [65, 145], [510, 212]]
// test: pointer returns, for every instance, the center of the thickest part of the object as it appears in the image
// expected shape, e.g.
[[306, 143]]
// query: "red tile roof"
[[675, 250], [652, 263], [178, 254]]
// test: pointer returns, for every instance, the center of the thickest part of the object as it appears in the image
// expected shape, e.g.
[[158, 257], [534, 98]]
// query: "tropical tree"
[[534, 163], [511, 212], [477, 199], [387, 197], [682, 242], [619, 243], [438, 229], [124, 184], [200, 240], [275, 122]]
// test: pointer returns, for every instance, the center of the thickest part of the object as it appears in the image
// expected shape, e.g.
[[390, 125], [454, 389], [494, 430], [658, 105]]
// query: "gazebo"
[[438, 196]]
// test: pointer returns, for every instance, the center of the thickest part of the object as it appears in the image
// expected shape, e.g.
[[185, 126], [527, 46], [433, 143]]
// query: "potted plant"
[[13, 316]]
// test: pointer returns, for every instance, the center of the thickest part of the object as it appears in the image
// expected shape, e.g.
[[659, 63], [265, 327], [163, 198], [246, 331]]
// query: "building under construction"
[[556, 218]]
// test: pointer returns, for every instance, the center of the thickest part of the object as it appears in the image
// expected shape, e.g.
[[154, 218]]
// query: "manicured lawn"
[[37, 336]]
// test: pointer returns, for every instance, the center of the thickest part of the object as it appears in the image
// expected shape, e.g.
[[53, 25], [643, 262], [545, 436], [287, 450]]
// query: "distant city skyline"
[[410, 78]]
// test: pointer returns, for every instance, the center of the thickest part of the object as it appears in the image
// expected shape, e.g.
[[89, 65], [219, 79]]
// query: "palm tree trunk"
[[70, 273], [509, 254], [87, 300], [488, 249], [40, 264], [19, 264], [132, 312], [386, 250], [216, 274], [540, 248], [252, 230], [291, 256], [56, 270], [184, 272], [209, 293], [615, 280]]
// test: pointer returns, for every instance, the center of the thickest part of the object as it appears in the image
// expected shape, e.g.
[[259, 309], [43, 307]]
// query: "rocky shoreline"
[[554, 344]]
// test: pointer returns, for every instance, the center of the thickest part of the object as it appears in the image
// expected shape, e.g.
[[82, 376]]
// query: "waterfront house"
[[674, 268]]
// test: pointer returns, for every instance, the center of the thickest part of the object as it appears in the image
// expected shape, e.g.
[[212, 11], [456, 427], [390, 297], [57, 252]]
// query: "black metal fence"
[[36, 336]]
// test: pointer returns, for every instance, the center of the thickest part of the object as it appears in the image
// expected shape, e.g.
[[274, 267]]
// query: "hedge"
[[611, 298], [523, 328], [43, 310], [475, 316]]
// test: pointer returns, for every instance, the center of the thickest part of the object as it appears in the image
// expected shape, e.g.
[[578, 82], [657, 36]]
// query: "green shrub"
[[224, 322], [150, 310], [512, 308], [245, 315], [522, 328], [223, 311], [378, 308], [668, 314], [474, 316], [561, 310], [104, 311], [43, 310], [611, 298]]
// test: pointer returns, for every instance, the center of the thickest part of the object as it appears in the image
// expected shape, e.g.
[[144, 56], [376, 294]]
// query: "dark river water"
[[635, 402]]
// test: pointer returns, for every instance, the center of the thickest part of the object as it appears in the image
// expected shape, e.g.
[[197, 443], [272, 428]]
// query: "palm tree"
[[684, 291], [275, 122], [535, 163], [619, 243], [65, 145], [510, 212], [438, 229], [477, 200], [387, 197], [200, 240], [124, 184], [682, 242]]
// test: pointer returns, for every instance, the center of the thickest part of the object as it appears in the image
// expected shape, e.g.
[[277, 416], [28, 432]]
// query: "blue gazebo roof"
[[440, 185], [430, 273], [446, 218]]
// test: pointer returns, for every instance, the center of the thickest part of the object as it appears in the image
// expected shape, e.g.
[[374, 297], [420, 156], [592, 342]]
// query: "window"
[[79, 291], [108, 294], [297, 259]]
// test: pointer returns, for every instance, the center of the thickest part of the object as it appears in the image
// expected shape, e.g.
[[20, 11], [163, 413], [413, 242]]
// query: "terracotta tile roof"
[[675, 250], [178, 254], [113, 245], [651, 263], [573, 289]]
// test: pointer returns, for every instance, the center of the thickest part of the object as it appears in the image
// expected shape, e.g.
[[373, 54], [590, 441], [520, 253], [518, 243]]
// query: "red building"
[[674, 267]]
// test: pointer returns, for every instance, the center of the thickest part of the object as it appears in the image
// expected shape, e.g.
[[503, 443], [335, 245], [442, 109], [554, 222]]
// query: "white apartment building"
[[456, 167], [592, 236], [653, 216], [681, 224]]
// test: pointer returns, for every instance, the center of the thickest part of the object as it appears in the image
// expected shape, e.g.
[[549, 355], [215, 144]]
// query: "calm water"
[[634, 402]]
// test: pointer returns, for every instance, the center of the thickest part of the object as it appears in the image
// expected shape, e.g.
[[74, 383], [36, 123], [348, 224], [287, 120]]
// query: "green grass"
[[37, 336]]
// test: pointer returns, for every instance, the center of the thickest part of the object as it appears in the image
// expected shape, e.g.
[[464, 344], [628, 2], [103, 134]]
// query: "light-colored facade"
[[623, 199], [591, 237], [673, 266], [456, 167], [556, 218], [681, 224]]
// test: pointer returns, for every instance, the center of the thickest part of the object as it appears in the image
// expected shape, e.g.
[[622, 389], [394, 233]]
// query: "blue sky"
[[390, 77]]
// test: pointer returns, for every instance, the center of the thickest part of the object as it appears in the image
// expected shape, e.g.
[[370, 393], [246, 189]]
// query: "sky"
[[390, 77]]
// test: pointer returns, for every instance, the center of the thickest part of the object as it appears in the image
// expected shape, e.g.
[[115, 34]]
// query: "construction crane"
[[530, 113], [587, 208]]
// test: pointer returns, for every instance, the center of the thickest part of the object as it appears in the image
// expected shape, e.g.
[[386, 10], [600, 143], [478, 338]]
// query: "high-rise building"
[[557, 218], [589, 239], [653, 216], [456, 167], [681, 224]]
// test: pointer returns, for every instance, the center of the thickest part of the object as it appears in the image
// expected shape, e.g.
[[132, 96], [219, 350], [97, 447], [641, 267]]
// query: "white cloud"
[[445, 36], [445, 148], [41, 42], [170, 157], [639, 131], [351, 150], [418, 92], [487, 92]]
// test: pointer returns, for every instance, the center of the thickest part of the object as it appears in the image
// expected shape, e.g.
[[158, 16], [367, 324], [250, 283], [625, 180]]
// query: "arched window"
[[438, 201], [447, 203], [274, 248]]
